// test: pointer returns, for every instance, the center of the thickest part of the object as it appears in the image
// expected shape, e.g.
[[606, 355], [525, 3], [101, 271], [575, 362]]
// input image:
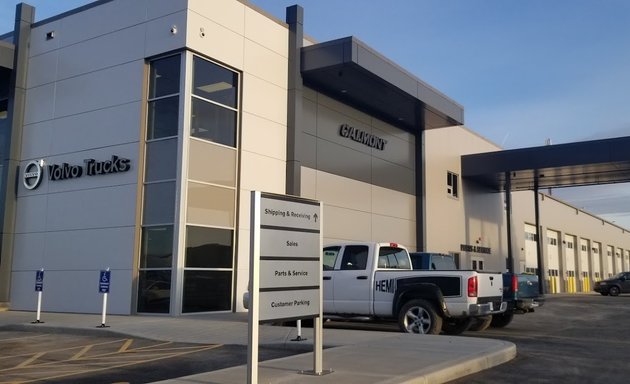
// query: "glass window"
[[354, 257], [452, 181], [391, 257], [4, 108], [208, 247], [154, 294], [204, 158], [210, 205], [164, 76], [330, 257], [163, 118], [159, 203], [161, 163], [214, 82], [213, 122], [157, 247], [206, 291]]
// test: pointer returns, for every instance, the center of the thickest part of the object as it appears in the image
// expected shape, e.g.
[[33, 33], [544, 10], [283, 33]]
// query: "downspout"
[[539, 251], [295, 20], [508, 217]]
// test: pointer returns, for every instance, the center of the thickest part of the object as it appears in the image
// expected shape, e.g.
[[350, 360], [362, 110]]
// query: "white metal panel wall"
[[475, 217], [84, 101]]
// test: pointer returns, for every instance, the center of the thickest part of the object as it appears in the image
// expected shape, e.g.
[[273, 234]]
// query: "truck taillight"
[[393, 245], [514, 285], [472, 286]]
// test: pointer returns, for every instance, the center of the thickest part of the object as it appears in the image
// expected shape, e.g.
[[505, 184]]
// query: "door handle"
[[327, 278], [361, 277]]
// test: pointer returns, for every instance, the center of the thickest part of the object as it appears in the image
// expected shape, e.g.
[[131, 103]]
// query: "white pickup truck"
[[366, 280]]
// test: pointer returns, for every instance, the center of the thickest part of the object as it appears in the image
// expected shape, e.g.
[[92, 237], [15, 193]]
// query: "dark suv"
[[620, 283]]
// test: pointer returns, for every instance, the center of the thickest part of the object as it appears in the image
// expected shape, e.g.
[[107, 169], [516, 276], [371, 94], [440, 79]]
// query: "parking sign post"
[[39, 288], [103, 287]]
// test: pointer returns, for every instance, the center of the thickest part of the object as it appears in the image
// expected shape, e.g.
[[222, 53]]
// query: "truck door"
[[351, 281], [331, 254]]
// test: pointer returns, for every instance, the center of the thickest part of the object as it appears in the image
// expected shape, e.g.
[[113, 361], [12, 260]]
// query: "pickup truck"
[[376, 281], [520, 291]]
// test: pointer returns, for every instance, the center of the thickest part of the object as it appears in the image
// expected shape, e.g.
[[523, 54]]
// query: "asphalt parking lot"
[[581, 338], [50, 357]]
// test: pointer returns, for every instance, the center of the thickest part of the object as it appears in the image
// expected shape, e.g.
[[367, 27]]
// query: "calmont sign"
[[34, 170]]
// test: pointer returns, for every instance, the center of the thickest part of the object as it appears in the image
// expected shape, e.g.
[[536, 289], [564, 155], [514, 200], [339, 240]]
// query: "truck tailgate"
[[490, 284]]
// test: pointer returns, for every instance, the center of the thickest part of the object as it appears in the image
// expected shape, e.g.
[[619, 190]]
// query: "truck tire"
[[502, 320], [456, 326], [419, 316], [613, 291], [480, 323]]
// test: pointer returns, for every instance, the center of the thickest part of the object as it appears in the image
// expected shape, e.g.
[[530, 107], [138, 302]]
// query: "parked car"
[[620, 283]]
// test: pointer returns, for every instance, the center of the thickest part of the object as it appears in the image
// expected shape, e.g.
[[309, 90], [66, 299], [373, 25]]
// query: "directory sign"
[[289, 257], [285, 277]]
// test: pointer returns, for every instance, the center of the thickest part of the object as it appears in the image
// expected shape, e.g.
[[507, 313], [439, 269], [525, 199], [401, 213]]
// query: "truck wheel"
[[419, 316], [501, 320], [480, 323], [613, 291], [456, 326]]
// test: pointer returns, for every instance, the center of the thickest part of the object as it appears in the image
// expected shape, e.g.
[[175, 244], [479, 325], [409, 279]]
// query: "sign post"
[[39, 288], [285, 269], [103, 287]]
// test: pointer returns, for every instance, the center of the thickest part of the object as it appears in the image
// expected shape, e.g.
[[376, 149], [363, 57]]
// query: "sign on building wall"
[[34, 170]]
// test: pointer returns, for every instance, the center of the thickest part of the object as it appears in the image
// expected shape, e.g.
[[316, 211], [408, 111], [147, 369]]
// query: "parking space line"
[[29, 361], [23, 337], [79, 354], [70, 370], [125, 345]]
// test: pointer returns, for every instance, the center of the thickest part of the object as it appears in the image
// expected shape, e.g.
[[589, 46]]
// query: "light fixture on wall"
[[173, 29]]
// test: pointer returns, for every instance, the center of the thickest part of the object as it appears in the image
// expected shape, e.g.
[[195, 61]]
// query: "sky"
[[525, 71]]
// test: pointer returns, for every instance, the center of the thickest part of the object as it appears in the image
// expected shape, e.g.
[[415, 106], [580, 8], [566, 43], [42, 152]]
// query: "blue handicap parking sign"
[[103, 281], [39, 280]]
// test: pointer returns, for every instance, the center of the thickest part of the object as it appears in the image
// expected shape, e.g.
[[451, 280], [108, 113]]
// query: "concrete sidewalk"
[[353, 356]]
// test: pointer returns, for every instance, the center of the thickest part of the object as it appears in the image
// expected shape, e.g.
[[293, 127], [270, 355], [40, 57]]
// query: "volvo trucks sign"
[[34, 170]]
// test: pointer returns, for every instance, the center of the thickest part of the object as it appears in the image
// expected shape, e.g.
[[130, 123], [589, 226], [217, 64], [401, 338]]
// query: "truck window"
[[354, 257], [443, 262], [330, 257], [390, 257]]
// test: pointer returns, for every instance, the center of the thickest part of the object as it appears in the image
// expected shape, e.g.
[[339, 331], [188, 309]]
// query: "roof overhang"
[[351, 72], [7, 53], [604, 161]]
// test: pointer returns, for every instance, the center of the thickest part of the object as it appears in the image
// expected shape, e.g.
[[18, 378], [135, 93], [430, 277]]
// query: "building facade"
[[134, 132]]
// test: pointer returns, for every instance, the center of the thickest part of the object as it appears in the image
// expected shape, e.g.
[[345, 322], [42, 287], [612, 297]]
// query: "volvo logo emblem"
[[32, 174]]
